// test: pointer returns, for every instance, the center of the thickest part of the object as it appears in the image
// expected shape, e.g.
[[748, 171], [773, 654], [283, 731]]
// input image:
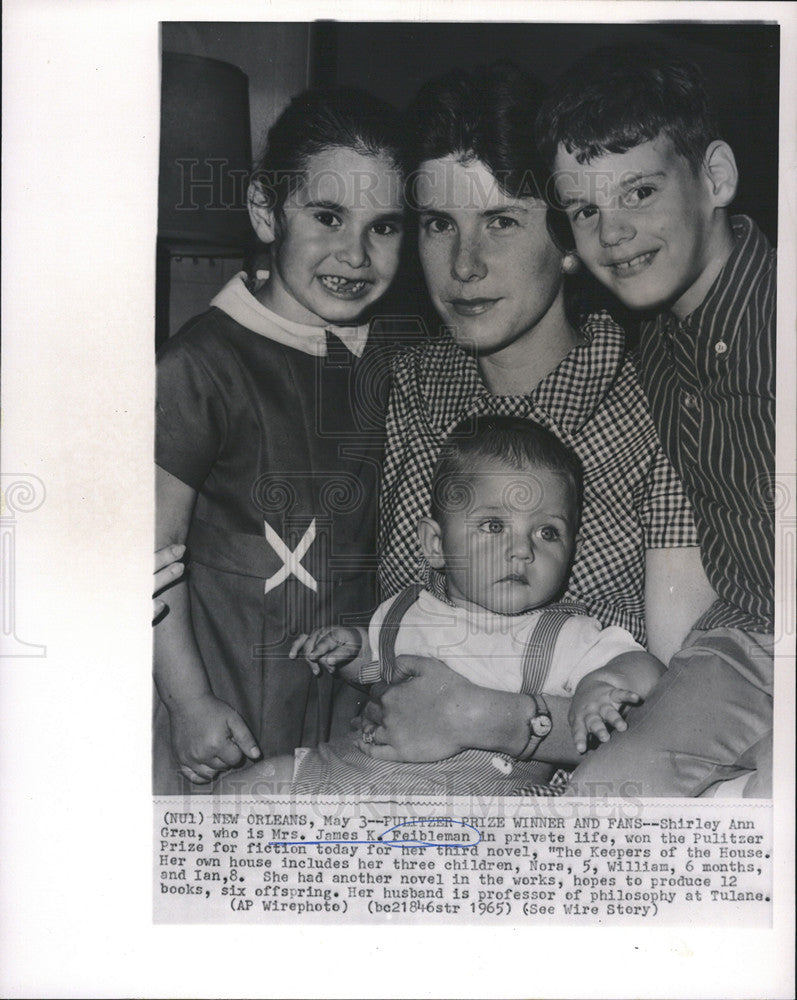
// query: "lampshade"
[[205, 152]]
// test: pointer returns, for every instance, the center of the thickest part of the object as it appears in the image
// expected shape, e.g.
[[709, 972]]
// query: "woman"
[[513, 345], [499, 280]]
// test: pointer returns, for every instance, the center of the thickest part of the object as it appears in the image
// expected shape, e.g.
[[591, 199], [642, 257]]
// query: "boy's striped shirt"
[[710, 380]]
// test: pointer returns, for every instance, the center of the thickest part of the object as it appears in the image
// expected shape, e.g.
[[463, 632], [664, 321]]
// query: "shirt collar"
[[572, 393], [240, 304], [749, 244], [436, 586], [575, 391]]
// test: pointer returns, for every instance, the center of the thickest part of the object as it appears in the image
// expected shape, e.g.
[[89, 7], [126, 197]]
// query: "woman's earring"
[[570, 263]]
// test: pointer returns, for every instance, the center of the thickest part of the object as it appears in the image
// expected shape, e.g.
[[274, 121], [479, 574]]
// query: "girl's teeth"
[[336, 283]]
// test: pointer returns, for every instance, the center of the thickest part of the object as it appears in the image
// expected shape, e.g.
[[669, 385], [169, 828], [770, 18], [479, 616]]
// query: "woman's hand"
[[430, 712], [420, 717], [167, 570]]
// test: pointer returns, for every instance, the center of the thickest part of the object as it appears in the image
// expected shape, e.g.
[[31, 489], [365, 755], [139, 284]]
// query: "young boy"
[[501, 541], [646, 181]]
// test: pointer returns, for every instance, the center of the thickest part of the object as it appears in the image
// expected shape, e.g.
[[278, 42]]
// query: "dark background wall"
[[740, 62]]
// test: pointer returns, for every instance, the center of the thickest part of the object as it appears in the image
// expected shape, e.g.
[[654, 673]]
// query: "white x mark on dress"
[[291, 561]]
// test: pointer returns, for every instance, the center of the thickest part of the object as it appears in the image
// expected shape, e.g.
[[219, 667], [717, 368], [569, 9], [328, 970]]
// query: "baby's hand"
[[595, 707], [329, 647]]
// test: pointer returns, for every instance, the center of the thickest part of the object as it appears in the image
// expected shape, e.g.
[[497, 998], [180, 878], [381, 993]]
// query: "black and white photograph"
[[627, 521], [446, 366]]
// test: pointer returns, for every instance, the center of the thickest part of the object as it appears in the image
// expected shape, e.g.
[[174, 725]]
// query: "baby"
[[500, 541]]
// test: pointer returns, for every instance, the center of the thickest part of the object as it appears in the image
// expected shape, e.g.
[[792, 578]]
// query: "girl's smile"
[[343, 287], [335, 245]]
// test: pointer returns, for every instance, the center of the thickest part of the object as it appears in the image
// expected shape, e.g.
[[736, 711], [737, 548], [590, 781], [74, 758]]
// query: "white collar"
[[237, 301]]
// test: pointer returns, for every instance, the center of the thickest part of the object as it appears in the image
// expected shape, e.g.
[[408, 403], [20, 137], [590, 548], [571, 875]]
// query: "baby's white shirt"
[[488, 648]]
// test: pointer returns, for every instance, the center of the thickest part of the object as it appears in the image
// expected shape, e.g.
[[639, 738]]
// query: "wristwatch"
[[539, 725]]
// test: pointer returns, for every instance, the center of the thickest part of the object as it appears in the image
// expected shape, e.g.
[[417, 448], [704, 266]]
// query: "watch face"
[[541, 725]]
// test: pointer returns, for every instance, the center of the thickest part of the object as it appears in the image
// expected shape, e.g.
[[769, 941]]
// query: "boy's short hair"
[[616, 98], [511, 441], [486, 113]]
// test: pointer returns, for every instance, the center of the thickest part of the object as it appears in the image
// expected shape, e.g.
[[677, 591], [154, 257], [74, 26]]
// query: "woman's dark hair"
[[487, 114], [321, 119]]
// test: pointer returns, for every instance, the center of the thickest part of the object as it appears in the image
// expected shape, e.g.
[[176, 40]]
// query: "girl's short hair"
[[485, 114], [618, 97], [321, 119]]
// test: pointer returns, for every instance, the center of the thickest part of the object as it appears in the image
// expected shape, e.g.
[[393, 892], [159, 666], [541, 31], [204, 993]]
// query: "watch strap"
[[540, 709]]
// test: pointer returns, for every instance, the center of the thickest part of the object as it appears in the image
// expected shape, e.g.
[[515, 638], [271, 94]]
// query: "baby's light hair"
[[511, 441]]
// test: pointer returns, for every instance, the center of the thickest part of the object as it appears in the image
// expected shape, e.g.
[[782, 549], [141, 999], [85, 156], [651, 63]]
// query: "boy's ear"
[[431, 540], [261, 215], [720, 166]]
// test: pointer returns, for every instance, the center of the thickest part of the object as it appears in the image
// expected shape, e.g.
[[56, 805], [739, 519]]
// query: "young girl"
[[261, 446]]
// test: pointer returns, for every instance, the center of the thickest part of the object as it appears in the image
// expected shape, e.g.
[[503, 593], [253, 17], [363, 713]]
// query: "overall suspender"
[[537, 656], [390, 626]]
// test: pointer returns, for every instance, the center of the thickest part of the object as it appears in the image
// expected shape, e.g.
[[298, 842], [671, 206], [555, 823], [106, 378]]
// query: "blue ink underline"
[[395, 843]]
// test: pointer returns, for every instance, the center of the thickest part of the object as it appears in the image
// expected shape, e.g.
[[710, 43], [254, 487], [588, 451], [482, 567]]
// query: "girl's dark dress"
[[283, 450]]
